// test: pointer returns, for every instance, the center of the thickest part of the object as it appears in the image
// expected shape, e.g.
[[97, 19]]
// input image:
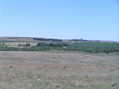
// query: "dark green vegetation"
[[85, 46], [94, 47], [44, 39]]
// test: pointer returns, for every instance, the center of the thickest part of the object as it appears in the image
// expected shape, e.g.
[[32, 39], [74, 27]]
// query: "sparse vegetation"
[[57, 70]]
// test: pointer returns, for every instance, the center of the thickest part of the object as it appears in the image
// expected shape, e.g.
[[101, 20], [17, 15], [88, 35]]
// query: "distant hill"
[[27, 39], [36, 39], [16, 39]]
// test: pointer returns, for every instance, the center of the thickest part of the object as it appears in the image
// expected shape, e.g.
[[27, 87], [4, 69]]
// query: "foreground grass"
[[58, 78], [50, 70]]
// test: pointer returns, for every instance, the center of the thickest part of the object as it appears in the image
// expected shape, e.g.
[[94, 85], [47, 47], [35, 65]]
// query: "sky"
[[62, 19]]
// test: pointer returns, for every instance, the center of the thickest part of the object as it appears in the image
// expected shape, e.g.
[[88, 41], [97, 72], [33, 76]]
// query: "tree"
[[42, 44], [28, 45]]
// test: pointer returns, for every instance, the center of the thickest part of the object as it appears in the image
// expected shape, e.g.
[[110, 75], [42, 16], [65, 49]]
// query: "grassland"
[[58, 70]]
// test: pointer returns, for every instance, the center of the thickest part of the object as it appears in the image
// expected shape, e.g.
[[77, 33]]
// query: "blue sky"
[[65, 19]]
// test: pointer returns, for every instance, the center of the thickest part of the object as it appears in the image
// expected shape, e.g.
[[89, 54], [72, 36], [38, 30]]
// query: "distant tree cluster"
[[56, 44], [24, 45], [44, 39]]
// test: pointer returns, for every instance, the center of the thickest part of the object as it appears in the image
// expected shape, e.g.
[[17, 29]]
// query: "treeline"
[[44, 39], [92, 47], [53, 44]]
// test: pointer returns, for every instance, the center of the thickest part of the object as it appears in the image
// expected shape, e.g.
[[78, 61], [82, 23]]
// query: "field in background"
[[58, 70]]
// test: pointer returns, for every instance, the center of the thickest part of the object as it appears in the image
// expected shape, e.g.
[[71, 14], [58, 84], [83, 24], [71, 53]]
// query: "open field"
[[58, 70]]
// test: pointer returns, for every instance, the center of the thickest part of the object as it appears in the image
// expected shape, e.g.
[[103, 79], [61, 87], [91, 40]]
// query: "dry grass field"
[[58, 70]]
